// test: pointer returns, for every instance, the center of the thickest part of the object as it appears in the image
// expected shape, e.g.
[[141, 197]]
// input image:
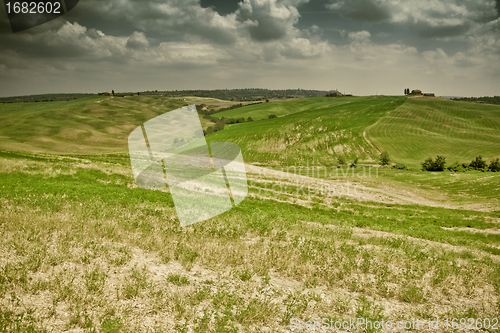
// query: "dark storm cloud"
[[172, 19], [223, 7], [364, 10], [497, 6], [443, 31], [267, 19]]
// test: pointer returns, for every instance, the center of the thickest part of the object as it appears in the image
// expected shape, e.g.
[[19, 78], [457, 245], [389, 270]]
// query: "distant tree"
[[341, 160], [138, 94], [495, 165], [406, 92], [112, 92], [354, 163], [267, 101], [272, 116], [437, 165], [478, 163], [384, 158], [427, 164], [249, 119]]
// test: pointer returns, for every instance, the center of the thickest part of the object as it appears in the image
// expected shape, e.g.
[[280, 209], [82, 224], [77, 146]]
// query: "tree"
[[341, 160], [439, 163], [272, 116], [478, 163], [267, 101], [354, 163], [436, 165], [384, 158], [249, 119], [495, 165]]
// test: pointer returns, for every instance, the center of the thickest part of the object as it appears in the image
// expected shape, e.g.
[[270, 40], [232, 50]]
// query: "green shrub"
[[478, 164], [495, 165], [457, 167], [384, 158], [272, 116], [436, 165], [400, 166]]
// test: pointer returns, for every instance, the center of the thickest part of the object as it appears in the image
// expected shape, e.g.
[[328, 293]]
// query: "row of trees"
[[221, 123], [407, 91], [439, 164]]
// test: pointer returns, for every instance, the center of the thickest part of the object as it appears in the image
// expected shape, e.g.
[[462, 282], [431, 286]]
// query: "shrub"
[[457, 167], [249, 119], [341, 160], [272, 116], [495, 165], [354, 163], [384, 158], [478, 164], [399, 166], [436, 165]]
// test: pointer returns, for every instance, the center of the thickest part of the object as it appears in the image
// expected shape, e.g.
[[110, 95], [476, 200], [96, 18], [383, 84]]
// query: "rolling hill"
[[319, 130]]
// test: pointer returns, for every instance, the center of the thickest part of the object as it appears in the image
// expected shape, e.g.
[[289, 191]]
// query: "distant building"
[[416, 92]]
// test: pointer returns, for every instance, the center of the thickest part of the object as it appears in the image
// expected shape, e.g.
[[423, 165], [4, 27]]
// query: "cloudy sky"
[[450, 47]]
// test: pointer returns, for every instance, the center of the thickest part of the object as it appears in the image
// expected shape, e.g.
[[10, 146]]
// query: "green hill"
[[421, 128], [264, 110], [314, 130], [333, 127], [85, 125], [320, 129]]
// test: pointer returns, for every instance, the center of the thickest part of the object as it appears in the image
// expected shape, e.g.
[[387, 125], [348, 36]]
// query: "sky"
[[363, 47]]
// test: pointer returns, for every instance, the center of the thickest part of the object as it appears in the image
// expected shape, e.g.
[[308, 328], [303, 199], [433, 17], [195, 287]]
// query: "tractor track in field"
[[356, 189]]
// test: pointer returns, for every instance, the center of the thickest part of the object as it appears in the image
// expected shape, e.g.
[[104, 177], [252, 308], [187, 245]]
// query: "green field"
[[422, 128], [83, 249]]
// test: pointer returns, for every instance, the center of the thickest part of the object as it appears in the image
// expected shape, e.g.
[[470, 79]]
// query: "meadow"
[[83, 249]]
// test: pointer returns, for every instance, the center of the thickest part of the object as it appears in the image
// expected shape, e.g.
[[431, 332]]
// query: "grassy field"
[[421, 128], [83, 249], [85, 125]]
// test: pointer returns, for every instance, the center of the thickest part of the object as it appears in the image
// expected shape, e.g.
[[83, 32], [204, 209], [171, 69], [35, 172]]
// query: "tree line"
[[439, 164]]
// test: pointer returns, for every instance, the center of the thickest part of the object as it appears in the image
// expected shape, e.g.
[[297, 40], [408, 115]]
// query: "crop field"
[[83, 249], [421, 128]]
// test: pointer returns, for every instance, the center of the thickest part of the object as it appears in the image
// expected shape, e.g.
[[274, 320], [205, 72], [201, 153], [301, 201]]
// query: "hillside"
[[86, 125], [421, 128], [318, 130]]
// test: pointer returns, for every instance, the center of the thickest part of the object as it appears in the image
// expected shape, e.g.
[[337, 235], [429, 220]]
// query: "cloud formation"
[[172, 44]]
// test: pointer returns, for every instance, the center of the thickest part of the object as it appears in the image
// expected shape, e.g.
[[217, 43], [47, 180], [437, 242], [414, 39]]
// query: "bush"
[[354, 163], [272, 116], [384, 158], [478, 164], [249, 119], [436, 165], [457, 167], [341, 160], [400, 166], [495, 166]]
